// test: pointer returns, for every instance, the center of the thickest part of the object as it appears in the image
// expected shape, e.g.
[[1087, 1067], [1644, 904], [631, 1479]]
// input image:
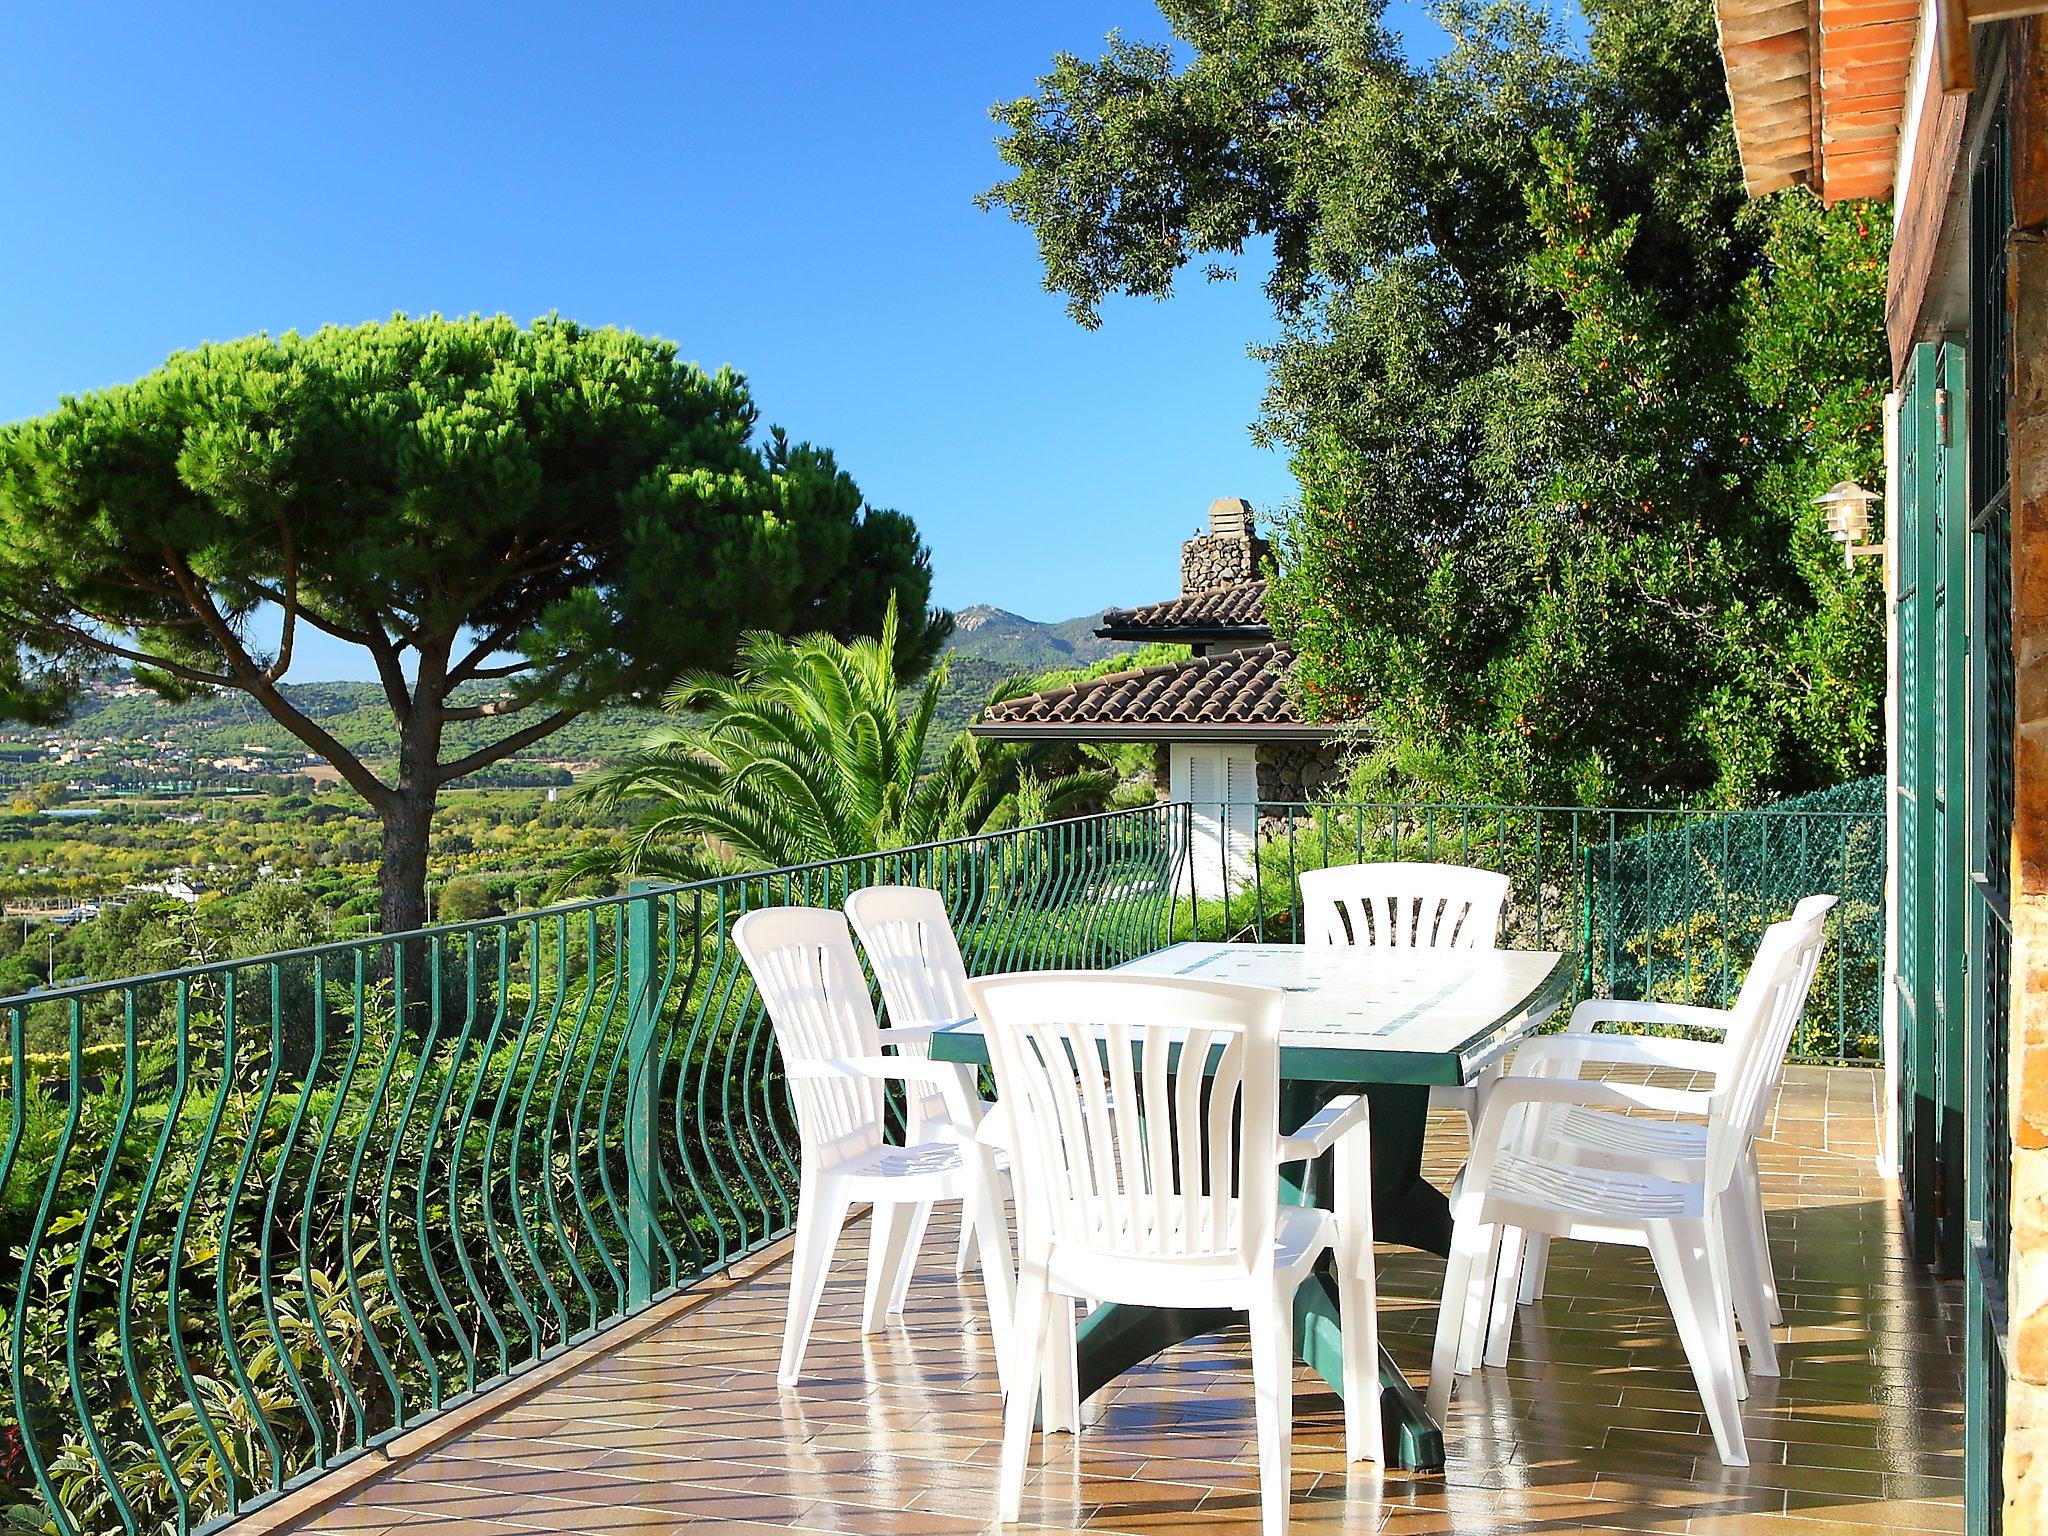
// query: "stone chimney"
[[1229, 552]]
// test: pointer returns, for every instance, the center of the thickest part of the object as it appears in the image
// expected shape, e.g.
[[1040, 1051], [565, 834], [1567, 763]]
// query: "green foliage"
[[571, 515], [252, 1237], [807, 753], [1556, 397]]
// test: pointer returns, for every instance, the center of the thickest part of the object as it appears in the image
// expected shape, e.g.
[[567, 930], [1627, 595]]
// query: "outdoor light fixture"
[[1846, 507]]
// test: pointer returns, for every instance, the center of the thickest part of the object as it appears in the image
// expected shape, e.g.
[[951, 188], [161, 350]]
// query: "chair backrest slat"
[[909, 939], [809, 979], [1761, 1025], [1403, 906], [1143, 1111]]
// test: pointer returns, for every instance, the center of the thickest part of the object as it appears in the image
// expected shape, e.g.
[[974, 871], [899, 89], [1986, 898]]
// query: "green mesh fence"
[[1657, 904], [1672, 913]]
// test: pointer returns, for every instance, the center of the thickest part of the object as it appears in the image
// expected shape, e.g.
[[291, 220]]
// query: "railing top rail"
[[443, 933], [1493, 807]]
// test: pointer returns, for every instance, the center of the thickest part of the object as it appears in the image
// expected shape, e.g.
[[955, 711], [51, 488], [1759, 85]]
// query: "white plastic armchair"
[[1516, 1183], [1500, 1189], [915, 955], [1146, 1150], [1759, 1020], [809, 980], [1407, 906]]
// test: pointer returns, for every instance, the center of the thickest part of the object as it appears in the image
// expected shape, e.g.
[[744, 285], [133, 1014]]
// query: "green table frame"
[[1407, 1209]]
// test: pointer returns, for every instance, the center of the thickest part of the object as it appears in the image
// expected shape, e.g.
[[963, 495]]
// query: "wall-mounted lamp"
[[1846, 508]]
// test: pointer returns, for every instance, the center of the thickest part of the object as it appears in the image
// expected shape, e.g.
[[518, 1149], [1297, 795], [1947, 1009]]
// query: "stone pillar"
[[2026, 1440]]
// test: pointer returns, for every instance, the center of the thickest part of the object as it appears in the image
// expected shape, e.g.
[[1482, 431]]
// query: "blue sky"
[[783, 187]]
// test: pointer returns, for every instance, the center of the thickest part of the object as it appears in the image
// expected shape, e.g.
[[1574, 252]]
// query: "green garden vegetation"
[[1557, 399], [562, 516]]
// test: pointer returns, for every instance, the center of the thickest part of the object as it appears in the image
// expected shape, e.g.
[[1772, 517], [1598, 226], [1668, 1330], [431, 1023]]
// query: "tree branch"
[[389, 672], [483, 757], [252, 679], [325, 625], [512, 669], [490, 709], [281, 663], [141, 658]]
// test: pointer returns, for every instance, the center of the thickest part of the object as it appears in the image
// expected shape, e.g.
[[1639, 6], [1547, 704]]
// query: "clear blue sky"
[[783, 187]]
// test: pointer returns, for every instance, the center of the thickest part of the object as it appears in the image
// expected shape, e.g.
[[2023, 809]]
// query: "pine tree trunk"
[[409, 815], [402, 872]]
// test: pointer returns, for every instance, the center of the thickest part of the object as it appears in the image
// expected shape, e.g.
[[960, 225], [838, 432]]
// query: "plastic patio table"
[[1392, 1022]]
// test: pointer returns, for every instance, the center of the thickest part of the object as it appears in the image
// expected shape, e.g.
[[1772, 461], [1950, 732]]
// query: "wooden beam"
[[1981, 11], [1952, 45]]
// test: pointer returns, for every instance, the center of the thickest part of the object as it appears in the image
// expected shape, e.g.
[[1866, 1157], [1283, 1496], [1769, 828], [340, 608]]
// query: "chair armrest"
[[1516, 1091], [1562, 1055], [948, 1077], [900, 1035], [1322, 1130], [1595, 1011]]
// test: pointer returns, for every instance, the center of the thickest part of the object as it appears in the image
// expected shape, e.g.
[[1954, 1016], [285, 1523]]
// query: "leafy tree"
[[520, 524], [809, 752], [1556, 397]]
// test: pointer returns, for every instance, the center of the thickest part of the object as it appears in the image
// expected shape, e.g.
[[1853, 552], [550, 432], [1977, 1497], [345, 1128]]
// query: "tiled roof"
[[1228, 689], [1241, 605]]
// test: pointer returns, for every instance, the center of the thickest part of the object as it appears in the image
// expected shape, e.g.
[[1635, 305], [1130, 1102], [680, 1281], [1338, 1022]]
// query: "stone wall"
[[2026, 1437], [1299, 770]]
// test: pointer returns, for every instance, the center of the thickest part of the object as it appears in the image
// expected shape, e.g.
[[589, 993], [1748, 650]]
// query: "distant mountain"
[[1014, 643]]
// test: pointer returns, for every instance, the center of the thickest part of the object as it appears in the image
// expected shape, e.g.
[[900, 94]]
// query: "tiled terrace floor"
[[1594, 1423]]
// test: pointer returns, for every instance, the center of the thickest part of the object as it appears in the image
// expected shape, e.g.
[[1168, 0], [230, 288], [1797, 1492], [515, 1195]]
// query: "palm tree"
[[808, 752]]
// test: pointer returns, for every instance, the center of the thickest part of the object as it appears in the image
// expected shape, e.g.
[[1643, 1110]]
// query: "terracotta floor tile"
[[1594, 1424]]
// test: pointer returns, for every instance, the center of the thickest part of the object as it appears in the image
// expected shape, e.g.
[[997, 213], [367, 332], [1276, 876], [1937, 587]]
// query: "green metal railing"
[[264, 1215], [1658, 904], [267, 1214]]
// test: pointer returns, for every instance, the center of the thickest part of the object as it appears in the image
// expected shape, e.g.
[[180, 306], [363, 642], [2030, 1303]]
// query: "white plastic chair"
[[809, 980], [1674, 1149], [1138, 1181], [915, 955], [1403, 906], [1407, 906], [1505, 1188]]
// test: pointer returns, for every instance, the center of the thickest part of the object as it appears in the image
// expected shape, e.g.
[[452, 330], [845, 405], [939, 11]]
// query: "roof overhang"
[[1083, 730], [1818, 90], [1214, 634]]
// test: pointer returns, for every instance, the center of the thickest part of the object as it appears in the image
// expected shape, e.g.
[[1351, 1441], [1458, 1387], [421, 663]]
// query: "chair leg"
[[1472, 1345], [1717, 1262], [983, 1204], [1060, 1412], [963, 1255], [1365, 1435], [1535, 1265], [1027, 1351], [1358, 1320], [888, 1251], [1749, 1190], [1507, 1285], [820, 1213], [1469, 1240], [1745, 1285], [913, 1246], [1272, 1331], [1685, 1266]]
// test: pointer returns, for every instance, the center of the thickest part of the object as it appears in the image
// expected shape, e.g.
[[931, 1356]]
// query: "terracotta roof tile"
[[1242, 605], [1227, 688]]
